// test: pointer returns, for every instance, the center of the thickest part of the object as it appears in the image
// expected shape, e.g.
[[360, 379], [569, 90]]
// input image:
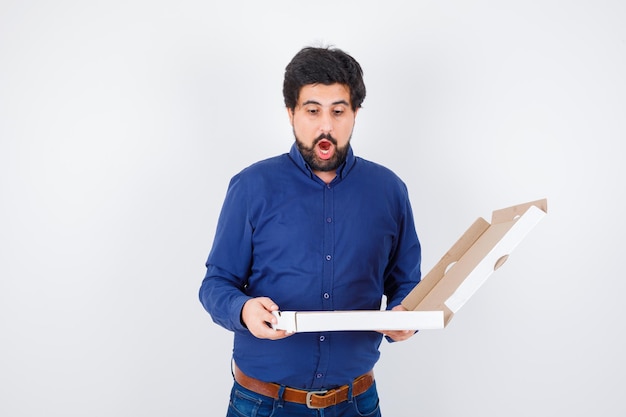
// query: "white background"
[[121, 123]]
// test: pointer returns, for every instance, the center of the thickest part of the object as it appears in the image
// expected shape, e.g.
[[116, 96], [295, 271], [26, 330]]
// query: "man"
[[314, 229]]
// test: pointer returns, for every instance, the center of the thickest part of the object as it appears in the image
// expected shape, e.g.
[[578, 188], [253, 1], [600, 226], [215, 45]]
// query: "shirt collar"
[[342, 171]]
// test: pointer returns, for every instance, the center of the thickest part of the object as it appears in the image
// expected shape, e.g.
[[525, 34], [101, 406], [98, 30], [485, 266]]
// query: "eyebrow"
[[319, 104]]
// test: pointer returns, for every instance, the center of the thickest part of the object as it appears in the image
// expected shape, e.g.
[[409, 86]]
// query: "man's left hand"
[[398, 335]]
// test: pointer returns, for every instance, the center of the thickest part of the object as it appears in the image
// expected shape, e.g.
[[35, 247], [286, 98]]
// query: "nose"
[[326, 122]]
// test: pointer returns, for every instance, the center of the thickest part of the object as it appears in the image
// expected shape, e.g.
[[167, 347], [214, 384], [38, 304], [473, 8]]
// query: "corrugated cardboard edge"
[[513, 212], [433, 291]]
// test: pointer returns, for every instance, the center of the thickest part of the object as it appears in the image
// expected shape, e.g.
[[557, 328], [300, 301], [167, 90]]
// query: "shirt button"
[[326, 295], [319, 376], [329, 219], [322, 338], [328, 257]]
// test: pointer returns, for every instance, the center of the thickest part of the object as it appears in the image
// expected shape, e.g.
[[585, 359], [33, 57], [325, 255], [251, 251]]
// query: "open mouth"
[[324, 149], [324, 146]]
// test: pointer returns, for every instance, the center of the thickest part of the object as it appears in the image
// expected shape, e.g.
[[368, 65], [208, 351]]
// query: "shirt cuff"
[[236, 309]]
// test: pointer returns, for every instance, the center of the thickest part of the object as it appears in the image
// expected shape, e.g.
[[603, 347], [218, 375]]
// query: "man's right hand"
[[257, 315]]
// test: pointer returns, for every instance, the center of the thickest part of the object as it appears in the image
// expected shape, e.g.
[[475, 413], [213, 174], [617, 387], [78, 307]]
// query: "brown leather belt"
[[312, 399]]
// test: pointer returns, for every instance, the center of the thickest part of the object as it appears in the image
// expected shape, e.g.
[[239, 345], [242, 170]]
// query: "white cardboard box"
[[441, 293], [325, 321]]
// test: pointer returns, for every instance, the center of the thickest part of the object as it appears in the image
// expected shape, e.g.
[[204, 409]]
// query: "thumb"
[[268, 304]]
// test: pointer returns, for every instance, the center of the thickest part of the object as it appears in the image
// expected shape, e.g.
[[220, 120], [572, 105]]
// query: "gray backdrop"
[[121, 123]]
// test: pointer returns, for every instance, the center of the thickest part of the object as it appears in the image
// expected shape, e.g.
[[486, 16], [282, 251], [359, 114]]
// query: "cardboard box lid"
[[481, 250]]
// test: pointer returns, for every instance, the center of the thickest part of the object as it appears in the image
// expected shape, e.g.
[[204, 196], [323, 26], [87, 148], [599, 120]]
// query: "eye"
[[338, 112], [312, 110]]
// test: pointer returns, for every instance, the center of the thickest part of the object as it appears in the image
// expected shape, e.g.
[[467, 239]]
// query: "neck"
[[326, 176]]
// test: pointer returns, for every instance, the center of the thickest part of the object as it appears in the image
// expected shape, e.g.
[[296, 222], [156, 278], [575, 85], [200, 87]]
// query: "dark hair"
[[323, 66]]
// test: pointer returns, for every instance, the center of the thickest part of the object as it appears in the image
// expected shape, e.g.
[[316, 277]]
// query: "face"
[[322, 123]]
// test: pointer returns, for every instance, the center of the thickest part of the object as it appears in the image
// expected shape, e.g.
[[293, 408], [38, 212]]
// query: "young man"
[[314, 229]]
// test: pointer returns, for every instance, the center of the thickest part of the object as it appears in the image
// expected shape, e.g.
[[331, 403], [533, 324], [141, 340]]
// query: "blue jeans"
[[246, 403]]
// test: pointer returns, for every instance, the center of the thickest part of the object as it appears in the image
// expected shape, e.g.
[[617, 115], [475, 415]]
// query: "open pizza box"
[[441, 293]]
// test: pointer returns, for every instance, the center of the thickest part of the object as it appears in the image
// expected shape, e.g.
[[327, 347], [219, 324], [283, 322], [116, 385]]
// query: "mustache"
[[326, 136]]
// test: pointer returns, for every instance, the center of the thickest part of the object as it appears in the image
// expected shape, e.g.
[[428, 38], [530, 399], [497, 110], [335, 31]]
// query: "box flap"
[[482, 249]]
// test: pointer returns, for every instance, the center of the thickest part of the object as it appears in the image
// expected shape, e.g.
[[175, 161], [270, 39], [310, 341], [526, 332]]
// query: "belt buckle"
[[308, 398]]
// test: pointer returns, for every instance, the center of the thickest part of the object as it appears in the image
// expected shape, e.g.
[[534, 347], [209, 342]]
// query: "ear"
[[290, 113]]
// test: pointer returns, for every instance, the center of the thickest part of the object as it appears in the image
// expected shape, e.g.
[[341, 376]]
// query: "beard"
[[323, 165]]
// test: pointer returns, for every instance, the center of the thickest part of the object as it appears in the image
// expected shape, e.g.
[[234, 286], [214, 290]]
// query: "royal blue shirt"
[[285, 234]]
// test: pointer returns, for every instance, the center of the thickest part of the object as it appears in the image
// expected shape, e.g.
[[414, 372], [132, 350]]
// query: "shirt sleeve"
[[229, 262], [403, 272]]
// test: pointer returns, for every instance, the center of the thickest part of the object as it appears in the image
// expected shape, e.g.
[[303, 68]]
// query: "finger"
[[268, 304], [280, 334], [397, 335], [265, 332]]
